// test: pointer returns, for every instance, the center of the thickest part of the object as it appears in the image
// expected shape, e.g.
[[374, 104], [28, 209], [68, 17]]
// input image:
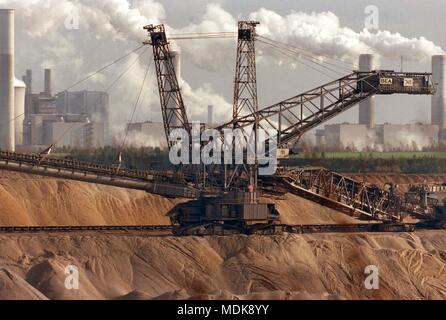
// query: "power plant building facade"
[[68, 119], [94, 104]]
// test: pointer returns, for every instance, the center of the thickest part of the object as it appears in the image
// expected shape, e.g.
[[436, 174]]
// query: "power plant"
[[232, 213], [37, 120], [368, 136]]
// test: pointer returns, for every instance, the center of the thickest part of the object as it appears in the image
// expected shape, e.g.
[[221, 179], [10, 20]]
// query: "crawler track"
[[267, 230]]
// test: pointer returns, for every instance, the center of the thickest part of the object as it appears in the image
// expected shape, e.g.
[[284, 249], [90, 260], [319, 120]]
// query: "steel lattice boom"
[[294, 116], [172, 105]]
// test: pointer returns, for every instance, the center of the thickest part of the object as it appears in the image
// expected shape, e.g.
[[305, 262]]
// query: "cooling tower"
[[7, 79], [367, 62], [438, 106], [19, 110]]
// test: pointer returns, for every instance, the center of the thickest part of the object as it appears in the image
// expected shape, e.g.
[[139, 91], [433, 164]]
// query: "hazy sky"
[[108, 28]]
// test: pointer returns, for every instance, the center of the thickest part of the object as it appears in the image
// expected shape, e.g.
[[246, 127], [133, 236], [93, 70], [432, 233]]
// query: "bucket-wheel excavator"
[[227, 197], [231, 202]]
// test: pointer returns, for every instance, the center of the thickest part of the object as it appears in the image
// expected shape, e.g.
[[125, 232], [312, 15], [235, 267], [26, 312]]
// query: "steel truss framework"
[[172, 105], [245, 83], [343, 193], [245, 101], [292, 117]]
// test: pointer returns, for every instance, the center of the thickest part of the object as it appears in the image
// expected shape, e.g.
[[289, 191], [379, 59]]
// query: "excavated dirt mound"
[[322, 266], [33, 200], [402, 180], [122, 266]]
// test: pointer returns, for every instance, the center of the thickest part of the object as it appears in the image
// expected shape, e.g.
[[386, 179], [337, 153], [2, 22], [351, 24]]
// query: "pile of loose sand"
[[403, 180], [34, 200], [322, 266]]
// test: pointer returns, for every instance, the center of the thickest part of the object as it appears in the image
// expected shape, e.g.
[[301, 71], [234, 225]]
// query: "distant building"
[[147, 134], [382, 137], [63, 130], [71, 119], [94, 104], [370, 136]]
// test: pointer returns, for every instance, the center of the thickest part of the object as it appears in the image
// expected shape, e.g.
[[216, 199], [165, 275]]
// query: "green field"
[[374, 154]]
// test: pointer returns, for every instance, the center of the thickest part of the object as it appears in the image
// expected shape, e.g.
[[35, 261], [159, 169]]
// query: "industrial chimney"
[[210, 114], [29, 81], [47, 82], [367, 62], [7, 79], [19, 110], [438, 102]]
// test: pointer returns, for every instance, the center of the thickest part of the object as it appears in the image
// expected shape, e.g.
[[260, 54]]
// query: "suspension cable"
[[104, 67], [297, 55], [135, 107], [294, 47], [202, 35], [111, 85], [288, 55]]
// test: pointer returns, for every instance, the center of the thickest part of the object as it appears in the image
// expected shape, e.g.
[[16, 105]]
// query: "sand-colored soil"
[[402, 180], [112, 266], [328, 266], [33, 200]]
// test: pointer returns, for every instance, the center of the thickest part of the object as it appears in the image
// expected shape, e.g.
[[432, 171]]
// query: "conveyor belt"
[[163, 182], [266, 230]]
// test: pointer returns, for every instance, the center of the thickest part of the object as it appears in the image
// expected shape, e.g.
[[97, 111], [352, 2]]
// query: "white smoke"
[[109, 27], [205, 53], [110, 19], [319, 33], [139, 139], [412, 138], [197, 100], [322, 34]]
